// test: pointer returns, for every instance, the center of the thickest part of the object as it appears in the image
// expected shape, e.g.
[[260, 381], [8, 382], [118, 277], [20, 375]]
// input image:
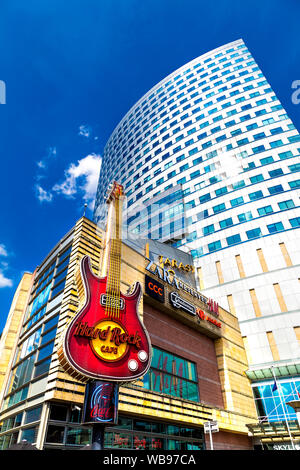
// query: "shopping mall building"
[[210, 160], [198, 366]]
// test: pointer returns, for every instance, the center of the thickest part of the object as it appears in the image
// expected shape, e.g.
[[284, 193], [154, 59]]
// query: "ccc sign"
[[154, 289]]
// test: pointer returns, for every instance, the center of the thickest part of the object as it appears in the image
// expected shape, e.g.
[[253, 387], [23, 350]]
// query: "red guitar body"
[[106, 340]]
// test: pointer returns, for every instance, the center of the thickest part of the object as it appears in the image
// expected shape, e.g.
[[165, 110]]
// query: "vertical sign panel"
[[101, 403]]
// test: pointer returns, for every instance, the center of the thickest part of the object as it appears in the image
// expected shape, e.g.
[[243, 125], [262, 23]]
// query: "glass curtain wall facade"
[[214, 138], [33, 378], [269, 401], [33, 356]]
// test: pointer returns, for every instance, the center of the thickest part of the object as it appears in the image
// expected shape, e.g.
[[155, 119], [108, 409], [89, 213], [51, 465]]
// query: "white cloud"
[[3, 251], [41, 164], [82, 177], [4, 281], [51, 152], [42, 194], [85, 131]]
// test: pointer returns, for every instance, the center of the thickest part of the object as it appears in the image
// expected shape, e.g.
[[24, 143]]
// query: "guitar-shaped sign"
[[106, 340]]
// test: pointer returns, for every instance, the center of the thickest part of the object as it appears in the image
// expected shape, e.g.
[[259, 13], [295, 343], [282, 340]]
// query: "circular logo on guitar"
[[111, 342], [109, 339]]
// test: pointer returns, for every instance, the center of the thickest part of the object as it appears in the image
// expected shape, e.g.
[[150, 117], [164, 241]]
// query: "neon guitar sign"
[[106, 340]]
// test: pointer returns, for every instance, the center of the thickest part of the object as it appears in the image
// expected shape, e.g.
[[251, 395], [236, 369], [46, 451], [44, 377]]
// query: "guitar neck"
[[113, 246], [114, 268]]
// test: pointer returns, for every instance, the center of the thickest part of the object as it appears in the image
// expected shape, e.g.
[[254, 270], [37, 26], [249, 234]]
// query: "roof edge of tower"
[[191, 62]]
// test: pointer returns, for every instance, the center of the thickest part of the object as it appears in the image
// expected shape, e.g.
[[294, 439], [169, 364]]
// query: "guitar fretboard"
[[113, 301]]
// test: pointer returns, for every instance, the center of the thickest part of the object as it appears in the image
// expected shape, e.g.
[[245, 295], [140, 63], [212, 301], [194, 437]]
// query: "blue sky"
[[72, 70]]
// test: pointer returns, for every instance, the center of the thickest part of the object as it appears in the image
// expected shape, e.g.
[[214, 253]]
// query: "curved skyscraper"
[[209, 161]]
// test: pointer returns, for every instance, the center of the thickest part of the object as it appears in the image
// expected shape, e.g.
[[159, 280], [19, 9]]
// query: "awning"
[[274, 431], [280, 370]]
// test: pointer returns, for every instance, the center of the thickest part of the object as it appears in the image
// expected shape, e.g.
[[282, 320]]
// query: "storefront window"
[[191, 446], [151, 435], [174, 430], [127, 434], [173, 445], [157, 443], [158, 428], [172, 375], [58, 412], [120, 441], [55, 434], [142, 426], [75, 415], [78, 436], [124, 423], [140, 442], [63, 427], [186, 432]]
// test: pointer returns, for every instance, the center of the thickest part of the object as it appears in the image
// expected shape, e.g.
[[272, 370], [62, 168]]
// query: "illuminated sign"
[[106, 340], [154, 288], [176, 264], [170, 278], [213, 306], [179, 302], [101, 403], [182, 304], [203, 316]]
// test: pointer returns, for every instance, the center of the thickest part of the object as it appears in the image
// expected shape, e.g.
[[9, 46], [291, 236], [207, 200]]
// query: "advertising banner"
[[100, 403]]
